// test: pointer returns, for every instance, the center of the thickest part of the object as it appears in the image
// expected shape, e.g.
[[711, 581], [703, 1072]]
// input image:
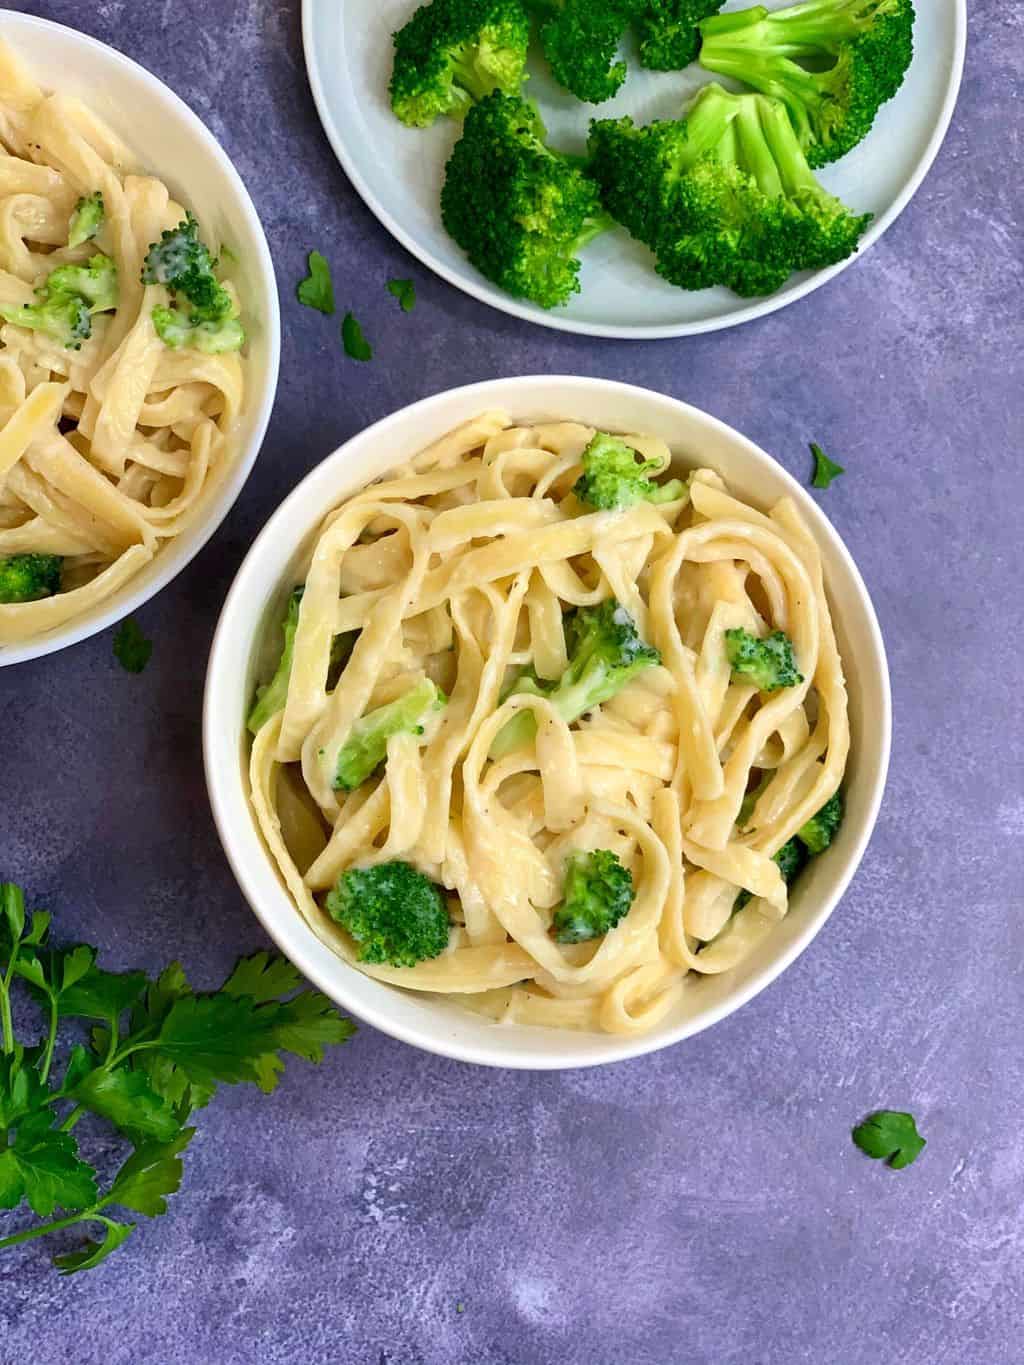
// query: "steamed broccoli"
[[271, 697], [821, 828], [768, 664], [176, 330], [612, 478], [791, 858], [182, 262], [28, 577], [68, 297], [452, 53], [367, 744], [86, 219], [580, 38], [723, 195], [667, 31], [394, 913], [598, 892], [519, 211], [605, 653], [832, 63]]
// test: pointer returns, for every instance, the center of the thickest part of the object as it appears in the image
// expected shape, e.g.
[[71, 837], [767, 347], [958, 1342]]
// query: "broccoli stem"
[[468, 77], [797, 31]]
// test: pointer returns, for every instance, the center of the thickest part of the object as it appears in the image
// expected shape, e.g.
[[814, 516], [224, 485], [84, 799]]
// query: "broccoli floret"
[[366, 747], [27, 578], [394, 913], [723, 195], [182, 262], [612, 478], [821, 828], [519, 211], [580, 38], [67, 299], [605, 653], [832, 63], [452, 53], [791, 858], [598, 891], [271, 697], [86, 219], [176, 330], [768, 664], [668, 34]]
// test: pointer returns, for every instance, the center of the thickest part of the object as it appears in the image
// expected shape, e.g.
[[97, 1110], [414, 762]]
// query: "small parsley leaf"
[[21, 1090], [890, 1136], [316, 290], [92, 1253], [152, 1172], [131, 648], [825, 470], [405, 292], [356, 345], [127, 1100], [42, 1166], [263, 978]]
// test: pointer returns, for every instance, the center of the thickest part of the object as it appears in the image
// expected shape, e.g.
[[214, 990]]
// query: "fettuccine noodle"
[[459, 567], [109, 450]]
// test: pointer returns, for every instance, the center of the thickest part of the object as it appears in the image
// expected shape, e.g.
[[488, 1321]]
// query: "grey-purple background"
[[703, 1206]]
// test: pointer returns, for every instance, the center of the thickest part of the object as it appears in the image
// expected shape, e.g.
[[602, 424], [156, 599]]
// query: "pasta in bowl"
[[138, 336], [552, 728]]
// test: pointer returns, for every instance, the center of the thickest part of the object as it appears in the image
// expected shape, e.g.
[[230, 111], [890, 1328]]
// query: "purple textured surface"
[[704, 1206]]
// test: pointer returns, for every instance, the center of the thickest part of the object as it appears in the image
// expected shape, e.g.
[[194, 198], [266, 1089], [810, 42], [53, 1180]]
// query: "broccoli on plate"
[[452, 53], [28, 577], [367, 744], [821, 828], [86, 219], [67, 300], [182, 262], [722, 196], [832, 63], [667, 31], [580, 38], [768, 664], [394, 913], [271, 697], [520, 211]]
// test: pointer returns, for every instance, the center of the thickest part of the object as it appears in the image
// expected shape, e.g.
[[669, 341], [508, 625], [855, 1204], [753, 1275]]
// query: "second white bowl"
[[257, 593]]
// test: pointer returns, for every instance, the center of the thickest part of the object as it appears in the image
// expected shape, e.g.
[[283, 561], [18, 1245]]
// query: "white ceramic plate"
[[174, 144], [399, 170], [255, 602]]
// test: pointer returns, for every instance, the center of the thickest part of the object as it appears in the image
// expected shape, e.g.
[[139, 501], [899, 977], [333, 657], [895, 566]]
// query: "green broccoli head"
[[612, 478], [177, 330], [86, 219], [67, 299], [519, 211], [723, 196], [452, 53], [767, 663], [821, 829], [395, 914], [28, 577], [580, 38], [271, 697], [367, 744], [182, 262], [832, 63], [605, 653], [668, 34], [598, 892]]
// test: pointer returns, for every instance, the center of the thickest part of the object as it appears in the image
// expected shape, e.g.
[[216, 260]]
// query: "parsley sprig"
[[156, 1052]]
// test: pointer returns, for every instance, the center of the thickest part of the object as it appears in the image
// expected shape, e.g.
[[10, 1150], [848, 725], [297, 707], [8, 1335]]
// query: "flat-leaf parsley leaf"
[[825, 470], [355, 343], [891, 1136], [131, 648], [316, 290], [405, 292]]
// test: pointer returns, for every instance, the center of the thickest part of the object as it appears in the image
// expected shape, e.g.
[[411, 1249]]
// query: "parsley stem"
[[5, 1015], [50, 1042], [72, 1118], [43, 1229]]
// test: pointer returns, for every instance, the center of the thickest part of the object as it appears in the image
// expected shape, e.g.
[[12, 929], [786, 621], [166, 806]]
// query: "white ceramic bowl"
[[175, 145], [256, 599]]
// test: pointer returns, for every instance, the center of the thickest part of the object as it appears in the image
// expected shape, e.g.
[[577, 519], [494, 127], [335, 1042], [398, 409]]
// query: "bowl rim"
[[130, 599], [227, 785], [472, 283]]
